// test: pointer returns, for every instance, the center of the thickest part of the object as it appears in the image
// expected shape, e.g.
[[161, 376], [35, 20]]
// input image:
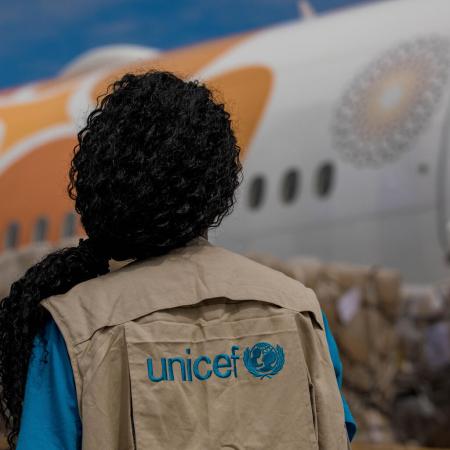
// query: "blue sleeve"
[[50, 418], [334, 353]]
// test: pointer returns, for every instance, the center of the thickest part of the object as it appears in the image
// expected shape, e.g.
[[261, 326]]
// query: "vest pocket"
[[240, 384]]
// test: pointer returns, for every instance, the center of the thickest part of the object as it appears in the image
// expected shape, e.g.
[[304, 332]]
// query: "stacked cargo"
[[422, 404], [394, 343]]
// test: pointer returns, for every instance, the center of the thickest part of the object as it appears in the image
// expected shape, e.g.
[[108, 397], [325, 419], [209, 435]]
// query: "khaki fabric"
[[201, 348]]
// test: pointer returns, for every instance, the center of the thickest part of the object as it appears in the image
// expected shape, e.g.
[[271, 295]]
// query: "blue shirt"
[[50, 418], [337, 364]]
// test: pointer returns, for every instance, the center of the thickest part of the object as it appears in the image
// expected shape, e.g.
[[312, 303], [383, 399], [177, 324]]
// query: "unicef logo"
[[264, 360]]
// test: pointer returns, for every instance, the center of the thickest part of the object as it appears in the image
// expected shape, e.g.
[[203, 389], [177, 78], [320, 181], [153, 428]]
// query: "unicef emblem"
[[264, 360]]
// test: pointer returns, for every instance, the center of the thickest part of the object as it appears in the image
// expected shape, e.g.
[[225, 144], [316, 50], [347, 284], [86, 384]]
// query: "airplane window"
[[325, 179], [290, 186], [12, 235], [256, 192], [69, 225], [41, 229]]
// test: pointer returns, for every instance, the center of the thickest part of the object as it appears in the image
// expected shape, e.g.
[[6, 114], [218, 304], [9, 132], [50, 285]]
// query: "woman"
[[81, 359]]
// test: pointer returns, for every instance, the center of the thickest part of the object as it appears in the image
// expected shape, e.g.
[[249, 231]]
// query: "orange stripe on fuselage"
[[245, 93], [35, 186], [184, 62], [25, 119]]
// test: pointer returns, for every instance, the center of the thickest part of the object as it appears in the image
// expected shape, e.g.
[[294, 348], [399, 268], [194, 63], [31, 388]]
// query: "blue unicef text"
[[202, 368]]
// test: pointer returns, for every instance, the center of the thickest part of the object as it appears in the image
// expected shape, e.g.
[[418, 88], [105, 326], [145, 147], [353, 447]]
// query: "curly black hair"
[[156, 166]]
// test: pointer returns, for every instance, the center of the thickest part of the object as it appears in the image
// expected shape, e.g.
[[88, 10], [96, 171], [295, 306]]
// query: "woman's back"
[[200, 349]]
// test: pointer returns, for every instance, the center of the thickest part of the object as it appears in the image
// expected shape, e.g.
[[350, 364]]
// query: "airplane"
[[343, 121]]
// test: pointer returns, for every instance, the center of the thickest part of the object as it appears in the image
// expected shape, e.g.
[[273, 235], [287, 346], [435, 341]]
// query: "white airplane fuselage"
[[347, 157], [390, 210]]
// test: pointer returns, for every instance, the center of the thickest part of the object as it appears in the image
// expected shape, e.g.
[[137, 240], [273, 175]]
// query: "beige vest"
[[200, 349]]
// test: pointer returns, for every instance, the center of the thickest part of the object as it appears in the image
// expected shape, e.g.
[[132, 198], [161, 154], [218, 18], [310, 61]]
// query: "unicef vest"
[[200, 349]]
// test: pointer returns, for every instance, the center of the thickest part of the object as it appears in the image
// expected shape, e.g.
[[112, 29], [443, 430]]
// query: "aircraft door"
[[443, 187]]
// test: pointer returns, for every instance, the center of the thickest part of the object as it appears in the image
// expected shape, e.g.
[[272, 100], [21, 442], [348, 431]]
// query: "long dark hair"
[[156, 165]]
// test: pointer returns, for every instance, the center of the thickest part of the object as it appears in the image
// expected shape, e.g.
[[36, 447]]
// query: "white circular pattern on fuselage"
[[388, 104]]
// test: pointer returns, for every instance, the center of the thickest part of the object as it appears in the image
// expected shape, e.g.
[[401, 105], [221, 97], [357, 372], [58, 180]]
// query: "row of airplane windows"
[[40, 230], [290, 190], [324, 181]]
